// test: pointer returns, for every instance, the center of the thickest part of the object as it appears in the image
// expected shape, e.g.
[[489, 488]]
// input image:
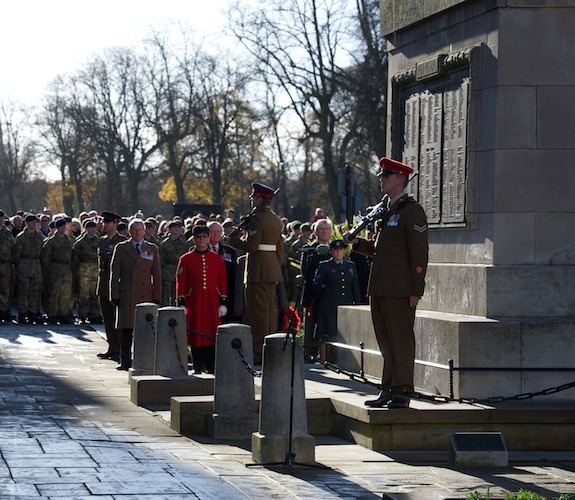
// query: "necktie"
[[138, 248]]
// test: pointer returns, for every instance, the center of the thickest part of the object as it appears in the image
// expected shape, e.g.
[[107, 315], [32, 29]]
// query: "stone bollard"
[[271, 443], [171, 343], [235, 415], [144, 338]]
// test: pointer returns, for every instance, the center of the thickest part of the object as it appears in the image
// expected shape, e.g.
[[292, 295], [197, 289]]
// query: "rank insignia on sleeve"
[[420, 229]]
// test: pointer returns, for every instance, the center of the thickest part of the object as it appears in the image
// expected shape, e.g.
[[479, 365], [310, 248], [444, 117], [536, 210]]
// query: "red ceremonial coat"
[[201, 279]]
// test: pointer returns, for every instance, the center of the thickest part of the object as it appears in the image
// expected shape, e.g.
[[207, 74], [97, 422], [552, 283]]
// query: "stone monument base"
[[266, 449], [472, 342]]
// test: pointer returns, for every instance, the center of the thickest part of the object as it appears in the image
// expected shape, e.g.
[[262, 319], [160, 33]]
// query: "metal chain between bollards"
[[172, 323], [439, 398], [237, 345]]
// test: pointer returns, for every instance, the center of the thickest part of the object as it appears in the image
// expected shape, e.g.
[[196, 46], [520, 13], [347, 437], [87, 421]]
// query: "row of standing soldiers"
[[52, 273]]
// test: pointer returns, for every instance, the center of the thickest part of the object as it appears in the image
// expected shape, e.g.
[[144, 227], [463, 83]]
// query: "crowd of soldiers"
[[50, 264], [55, 269]]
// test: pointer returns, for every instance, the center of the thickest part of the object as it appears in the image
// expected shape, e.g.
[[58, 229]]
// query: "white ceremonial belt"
[[264, 247]]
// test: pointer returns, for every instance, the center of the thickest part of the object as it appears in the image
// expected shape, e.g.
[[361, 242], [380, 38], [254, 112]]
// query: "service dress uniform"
[[26, 257], [85, 269], [56, 260], [400, 256], [6, 272], [264, 246]]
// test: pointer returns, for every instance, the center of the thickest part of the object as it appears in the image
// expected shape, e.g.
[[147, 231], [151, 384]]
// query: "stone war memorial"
[[481, 98]]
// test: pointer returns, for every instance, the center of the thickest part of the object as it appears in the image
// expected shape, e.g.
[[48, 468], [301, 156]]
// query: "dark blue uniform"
[[335, 285]]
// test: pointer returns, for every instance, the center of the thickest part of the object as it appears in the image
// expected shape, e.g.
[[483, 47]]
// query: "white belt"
[[266, 248]]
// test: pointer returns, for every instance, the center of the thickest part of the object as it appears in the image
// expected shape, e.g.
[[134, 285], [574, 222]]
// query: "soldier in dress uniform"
[[26, 257], [106, 246], [335, 284], [264, 247], [56, 261], [6, 270], [135, 277], [85, 271], [171, 249], [397, 281]]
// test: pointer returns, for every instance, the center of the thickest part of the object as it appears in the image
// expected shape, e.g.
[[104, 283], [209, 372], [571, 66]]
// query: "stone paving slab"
[[69, 430]]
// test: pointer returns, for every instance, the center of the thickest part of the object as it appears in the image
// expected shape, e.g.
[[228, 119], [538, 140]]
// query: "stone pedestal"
[[145, 327], [271, 443], [171, 343], [234, 414]]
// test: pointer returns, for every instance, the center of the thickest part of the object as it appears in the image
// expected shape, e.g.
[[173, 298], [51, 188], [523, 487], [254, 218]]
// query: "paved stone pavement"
[[69, 431]]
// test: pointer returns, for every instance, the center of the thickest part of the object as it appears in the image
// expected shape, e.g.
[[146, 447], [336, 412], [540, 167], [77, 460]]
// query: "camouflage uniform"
[[57, 266], [170, 253], [6, 272], [85, 271], [26, 257]]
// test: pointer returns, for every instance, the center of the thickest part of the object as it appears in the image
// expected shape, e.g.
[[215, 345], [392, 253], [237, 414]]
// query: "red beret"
[[391, 165]]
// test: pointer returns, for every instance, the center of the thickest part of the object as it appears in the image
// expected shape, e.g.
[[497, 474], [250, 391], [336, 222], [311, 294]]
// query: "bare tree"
[[17, 151]]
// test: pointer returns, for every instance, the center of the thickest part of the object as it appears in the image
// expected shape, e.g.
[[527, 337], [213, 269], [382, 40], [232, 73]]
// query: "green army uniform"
[[26, 257], [6, 272], [57, 265], [85, 272], [170, 252]]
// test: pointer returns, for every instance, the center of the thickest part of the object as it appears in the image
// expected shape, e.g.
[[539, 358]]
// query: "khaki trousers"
[[393, 321]]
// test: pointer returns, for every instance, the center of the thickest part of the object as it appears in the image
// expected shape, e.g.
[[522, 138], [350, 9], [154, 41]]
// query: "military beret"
[[30, 218], [52, 224], [201, 229], [60, 223], [90, 223], [388, 166], [261, 190], [110, 217], [174, 223]]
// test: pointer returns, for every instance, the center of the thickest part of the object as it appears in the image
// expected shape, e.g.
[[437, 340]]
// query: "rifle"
[[245, 219], [375, 212]]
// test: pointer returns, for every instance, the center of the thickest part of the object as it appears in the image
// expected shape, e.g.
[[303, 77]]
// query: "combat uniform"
[[85, 270], [56, 260], [6, 272], [170, 252], [26, 257]]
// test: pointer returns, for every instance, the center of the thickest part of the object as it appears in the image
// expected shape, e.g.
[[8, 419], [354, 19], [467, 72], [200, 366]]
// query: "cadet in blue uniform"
[[335, 283]]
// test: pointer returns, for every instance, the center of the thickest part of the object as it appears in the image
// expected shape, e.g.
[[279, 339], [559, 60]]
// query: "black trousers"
[[126, 337]]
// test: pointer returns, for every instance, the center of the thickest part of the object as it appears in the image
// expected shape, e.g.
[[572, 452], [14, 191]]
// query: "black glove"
[[181, 302], [116, 302]]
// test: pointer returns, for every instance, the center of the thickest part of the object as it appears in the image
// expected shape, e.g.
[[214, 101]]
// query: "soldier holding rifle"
[[397, 280], [264, 246]]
